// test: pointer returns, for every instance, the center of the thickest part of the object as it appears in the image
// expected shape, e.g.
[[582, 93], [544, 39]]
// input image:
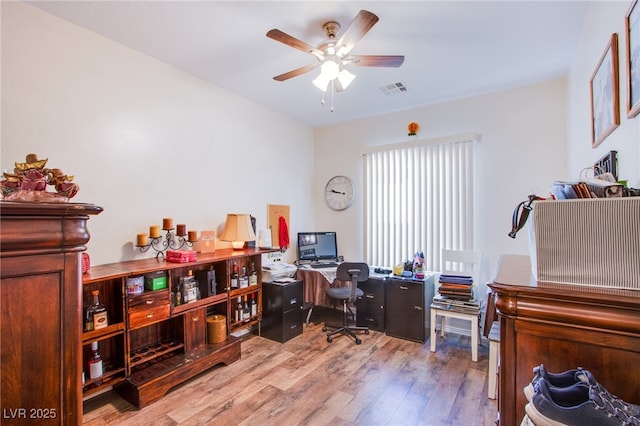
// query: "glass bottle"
[[95, 364], [244, 280], [254, 305], [234, 276], [253, 276], [239, 310], [96, 317], [246, 312]]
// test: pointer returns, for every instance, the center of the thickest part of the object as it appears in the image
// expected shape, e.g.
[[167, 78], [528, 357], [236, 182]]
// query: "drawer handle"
[[293, 301], [419, 308], [369, 296], [194, 319], [149, 302], [149, 315], [293, 326], [403, 287]]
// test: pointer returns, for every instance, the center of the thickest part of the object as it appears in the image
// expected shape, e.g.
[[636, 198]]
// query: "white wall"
[[144, 140], [602, 19], [522, 150]]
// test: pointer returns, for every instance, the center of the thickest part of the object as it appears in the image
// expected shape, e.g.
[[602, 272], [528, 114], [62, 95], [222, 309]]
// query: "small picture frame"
[[632, 30], [206, 243], [604, 88]]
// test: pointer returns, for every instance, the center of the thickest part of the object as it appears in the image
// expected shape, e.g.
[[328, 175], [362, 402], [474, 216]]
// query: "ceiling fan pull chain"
[[332, 90], [322, 101]]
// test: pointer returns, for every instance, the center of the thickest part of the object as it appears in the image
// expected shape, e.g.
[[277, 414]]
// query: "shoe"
[[629, 409], [558, 380], [575, 405], [570, 377]]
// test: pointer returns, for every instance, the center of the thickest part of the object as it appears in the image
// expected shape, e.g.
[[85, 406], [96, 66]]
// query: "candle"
[[143, 240], [181, 230], [193, 236], [167, 223], [154, 231]]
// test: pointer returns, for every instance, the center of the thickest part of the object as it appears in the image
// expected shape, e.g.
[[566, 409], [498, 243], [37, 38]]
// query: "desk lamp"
[[238, 230]]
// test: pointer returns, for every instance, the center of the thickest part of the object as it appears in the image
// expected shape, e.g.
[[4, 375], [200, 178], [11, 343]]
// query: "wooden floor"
[[308, 381]]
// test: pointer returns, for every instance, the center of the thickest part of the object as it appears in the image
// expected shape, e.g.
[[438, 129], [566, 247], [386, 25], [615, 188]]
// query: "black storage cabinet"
[[405, 309], [282, 315], [371, 307]]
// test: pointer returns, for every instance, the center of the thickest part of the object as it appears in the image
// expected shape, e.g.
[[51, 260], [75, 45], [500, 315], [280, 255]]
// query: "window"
[[419, 197]]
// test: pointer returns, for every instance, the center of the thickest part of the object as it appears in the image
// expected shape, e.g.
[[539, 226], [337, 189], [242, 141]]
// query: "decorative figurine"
[[29, 181]]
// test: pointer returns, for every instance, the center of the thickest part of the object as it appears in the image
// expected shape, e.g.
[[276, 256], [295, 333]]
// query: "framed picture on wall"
[[605, 110], [632, 29]]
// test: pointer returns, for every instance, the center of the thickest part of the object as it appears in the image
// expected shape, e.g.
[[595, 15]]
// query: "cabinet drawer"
[[291, 324], [142, 317], [292, 297], [148, 300]]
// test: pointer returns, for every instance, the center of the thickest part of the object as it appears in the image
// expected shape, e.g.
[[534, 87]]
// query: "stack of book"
[[456, 293], [457, 287]]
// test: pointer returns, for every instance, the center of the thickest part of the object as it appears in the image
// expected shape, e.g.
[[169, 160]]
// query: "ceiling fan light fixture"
[[345, 78], [321, 82], [330, 69]]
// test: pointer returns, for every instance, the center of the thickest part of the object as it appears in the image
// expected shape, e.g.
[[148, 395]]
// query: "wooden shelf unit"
[[152, 345]]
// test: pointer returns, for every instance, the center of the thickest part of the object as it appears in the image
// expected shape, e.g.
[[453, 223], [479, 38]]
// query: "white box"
[[594, 242]]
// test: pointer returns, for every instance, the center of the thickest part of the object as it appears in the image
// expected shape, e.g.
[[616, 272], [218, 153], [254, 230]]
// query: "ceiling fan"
[[333, 54]]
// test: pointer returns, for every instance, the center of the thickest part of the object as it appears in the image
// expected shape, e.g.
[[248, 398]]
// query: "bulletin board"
[[274, 212]]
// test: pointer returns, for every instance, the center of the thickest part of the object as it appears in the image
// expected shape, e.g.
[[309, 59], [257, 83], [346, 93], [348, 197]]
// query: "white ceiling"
[[452, 49]]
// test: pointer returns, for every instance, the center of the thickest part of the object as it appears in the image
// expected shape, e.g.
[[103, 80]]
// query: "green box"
[[155, 281]]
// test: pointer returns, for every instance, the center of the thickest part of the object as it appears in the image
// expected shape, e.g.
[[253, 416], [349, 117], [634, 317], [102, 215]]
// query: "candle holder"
[[170, 241]]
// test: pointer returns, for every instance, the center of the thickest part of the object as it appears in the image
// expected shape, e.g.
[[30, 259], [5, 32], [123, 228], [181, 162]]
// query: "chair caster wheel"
[[358, 341], [324, 328], [329, 339], [366, 332]]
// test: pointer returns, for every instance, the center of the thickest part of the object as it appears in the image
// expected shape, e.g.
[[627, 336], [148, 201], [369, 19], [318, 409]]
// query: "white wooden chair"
[[458, 262]]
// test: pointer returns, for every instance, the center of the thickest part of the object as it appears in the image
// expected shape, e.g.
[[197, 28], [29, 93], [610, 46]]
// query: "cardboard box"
[[593, 242], [155, 281]]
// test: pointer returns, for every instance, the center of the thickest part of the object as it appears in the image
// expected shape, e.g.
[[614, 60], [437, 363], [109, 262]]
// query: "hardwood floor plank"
[[308, 381]]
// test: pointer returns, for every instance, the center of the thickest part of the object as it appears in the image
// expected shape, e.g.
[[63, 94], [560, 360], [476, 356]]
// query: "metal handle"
[[293, 301], [149, 315], [194, 319], [404, 287], [149, 301]]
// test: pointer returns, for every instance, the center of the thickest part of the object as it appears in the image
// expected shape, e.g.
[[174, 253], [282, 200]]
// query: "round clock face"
[[339, 192]]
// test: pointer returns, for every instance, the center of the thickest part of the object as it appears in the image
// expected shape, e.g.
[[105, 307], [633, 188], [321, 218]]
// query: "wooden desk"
[[316, 281], [563, 327]]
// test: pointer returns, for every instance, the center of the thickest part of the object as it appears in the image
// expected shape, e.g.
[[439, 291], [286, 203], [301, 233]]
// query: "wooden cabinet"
[[563, 327], [40, 355], [155, 341], [405, 310], [283, 314], [371, 307]]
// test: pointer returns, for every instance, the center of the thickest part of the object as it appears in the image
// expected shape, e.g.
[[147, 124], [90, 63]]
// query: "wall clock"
[[339, 193]]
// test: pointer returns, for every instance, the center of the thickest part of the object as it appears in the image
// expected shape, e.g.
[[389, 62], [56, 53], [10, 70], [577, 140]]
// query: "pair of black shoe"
[[574, 397]]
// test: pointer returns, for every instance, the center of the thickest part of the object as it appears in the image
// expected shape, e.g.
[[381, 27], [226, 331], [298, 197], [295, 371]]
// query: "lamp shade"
[[237, 230]]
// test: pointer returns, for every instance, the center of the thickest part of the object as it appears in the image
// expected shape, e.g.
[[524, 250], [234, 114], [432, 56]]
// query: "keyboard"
[[323, 265]]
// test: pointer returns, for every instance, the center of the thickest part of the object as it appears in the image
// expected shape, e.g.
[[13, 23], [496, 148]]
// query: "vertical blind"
[[419, 197]]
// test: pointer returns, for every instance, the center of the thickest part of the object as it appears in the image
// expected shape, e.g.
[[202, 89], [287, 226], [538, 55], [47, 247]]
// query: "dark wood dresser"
[[563, 327], [40, 286]]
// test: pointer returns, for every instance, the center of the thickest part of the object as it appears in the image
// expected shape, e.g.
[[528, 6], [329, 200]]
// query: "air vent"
[[393, 88]]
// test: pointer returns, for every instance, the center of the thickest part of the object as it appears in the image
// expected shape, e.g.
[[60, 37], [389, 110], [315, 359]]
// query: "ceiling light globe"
[[330, 70]]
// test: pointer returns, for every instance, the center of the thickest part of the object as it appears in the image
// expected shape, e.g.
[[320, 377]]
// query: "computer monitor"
[[313, 246]]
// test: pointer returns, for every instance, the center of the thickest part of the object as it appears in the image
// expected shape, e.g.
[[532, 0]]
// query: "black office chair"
[[354, 272]]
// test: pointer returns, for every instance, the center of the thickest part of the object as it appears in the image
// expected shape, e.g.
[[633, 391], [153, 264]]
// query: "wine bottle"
[[239, 310], [95, 364], [96, 317], [234, 276], [254, 305], [253, 276], [244, 280], [246, 313]]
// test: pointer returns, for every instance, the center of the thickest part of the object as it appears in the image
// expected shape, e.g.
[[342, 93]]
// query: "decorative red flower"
[[413, 128]]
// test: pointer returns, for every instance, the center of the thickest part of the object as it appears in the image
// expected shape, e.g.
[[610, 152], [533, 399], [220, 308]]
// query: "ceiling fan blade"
[[296, 72], [376, 60], [360, 25], [291, 41]]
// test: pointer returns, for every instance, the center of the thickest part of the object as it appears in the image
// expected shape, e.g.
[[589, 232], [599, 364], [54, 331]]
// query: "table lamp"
[[238, 230]]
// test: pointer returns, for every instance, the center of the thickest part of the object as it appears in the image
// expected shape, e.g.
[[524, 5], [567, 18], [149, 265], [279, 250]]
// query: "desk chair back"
[[355, 272]]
